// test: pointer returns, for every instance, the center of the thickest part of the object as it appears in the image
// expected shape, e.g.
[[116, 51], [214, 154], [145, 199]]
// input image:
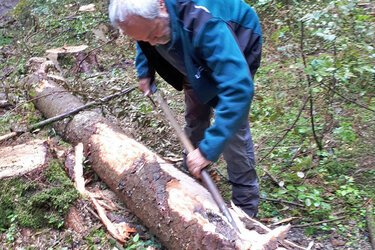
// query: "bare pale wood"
[[21, 159]]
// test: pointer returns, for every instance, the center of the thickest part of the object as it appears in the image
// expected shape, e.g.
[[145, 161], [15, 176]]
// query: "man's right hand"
[[144, 86]]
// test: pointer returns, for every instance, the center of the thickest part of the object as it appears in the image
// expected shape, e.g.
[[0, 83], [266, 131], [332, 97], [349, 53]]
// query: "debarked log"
[[175, 207]]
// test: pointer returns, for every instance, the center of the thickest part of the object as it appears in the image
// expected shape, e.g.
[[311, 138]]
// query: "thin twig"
[[72, 112], [287, 131], [92, 212], [7, 136], [319, 222], [284, 201], [88, 53], [12, 70], [367, 202], [349, 100], [309, 81], [76, 110], [286, 220]]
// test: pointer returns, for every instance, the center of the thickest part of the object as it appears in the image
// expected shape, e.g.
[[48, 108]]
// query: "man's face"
[[154, 31]]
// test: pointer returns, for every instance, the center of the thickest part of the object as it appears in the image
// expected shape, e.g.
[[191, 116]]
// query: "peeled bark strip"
[[176, 208]]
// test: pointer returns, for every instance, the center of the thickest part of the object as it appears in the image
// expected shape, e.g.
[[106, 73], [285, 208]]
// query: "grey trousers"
[[238, 153]]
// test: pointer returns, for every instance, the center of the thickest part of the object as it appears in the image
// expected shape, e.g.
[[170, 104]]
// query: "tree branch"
[[318, 142], [62, 116], [287, 131], [319, 222], [347, 99]]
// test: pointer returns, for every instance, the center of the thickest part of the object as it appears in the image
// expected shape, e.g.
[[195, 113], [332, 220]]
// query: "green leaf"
[[301, 196], [310, 230], [308, 202], [136, 238]]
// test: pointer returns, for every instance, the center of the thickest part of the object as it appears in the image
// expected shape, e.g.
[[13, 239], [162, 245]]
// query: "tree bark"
[[175, 207]]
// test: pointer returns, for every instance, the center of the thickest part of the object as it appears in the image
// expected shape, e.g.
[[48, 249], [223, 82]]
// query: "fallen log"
[[176, 208]]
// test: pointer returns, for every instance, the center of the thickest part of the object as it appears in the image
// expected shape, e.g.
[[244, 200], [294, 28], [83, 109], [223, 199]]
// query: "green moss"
[[37, 204], [21, 7]]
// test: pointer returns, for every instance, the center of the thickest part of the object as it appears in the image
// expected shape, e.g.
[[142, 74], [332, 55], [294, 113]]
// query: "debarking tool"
[[210, 185]]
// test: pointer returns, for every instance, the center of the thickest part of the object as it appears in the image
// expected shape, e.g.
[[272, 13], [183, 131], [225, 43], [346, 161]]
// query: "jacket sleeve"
[[218, 49], [141, 64]]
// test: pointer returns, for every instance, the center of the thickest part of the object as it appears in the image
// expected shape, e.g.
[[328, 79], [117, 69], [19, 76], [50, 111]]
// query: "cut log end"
[[21, 159]]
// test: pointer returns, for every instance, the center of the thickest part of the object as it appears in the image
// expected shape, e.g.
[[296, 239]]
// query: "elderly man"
[[211, 50]]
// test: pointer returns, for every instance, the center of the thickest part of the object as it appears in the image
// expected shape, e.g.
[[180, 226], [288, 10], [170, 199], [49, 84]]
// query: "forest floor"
[[352, 161]]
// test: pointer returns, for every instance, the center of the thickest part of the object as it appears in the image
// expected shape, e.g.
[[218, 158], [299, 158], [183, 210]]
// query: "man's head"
[[143, 20]]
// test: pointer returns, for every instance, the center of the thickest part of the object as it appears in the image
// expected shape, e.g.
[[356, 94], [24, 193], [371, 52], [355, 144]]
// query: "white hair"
[[119, 10]]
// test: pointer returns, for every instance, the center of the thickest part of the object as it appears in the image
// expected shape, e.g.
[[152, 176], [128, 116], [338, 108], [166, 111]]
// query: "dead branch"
[[285, 221], [36, 98], [7, 136], [88, 53], [347, 99], [62, 116], [92, 212], [319, 222], [42, 96], [371, 223], [280, 140], [309, 82], [367, 202], [288, 130], [76, 110]]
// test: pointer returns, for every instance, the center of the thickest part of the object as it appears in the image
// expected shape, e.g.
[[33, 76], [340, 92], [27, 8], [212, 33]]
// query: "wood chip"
[[67, 49], [87, 8]]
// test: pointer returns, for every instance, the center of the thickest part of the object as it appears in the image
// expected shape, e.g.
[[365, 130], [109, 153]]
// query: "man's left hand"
[[195, 162]]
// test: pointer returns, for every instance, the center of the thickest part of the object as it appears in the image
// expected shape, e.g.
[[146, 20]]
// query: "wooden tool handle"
[[190, 148]]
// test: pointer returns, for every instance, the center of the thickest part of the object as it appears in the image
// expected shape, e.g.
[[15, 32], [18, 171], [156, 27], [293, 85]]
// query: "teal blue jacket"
[[221, 42]]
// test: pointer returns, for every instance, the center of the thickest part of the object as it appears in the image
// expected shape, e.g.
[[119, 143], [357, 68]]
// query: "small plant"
[[137, 243], [345, 131], [12, 229], [38, 205]]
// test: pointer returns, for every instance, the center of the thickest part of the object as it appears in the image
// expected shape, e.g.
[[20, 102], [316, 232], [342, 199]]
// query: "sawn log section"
[[175, 207]]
